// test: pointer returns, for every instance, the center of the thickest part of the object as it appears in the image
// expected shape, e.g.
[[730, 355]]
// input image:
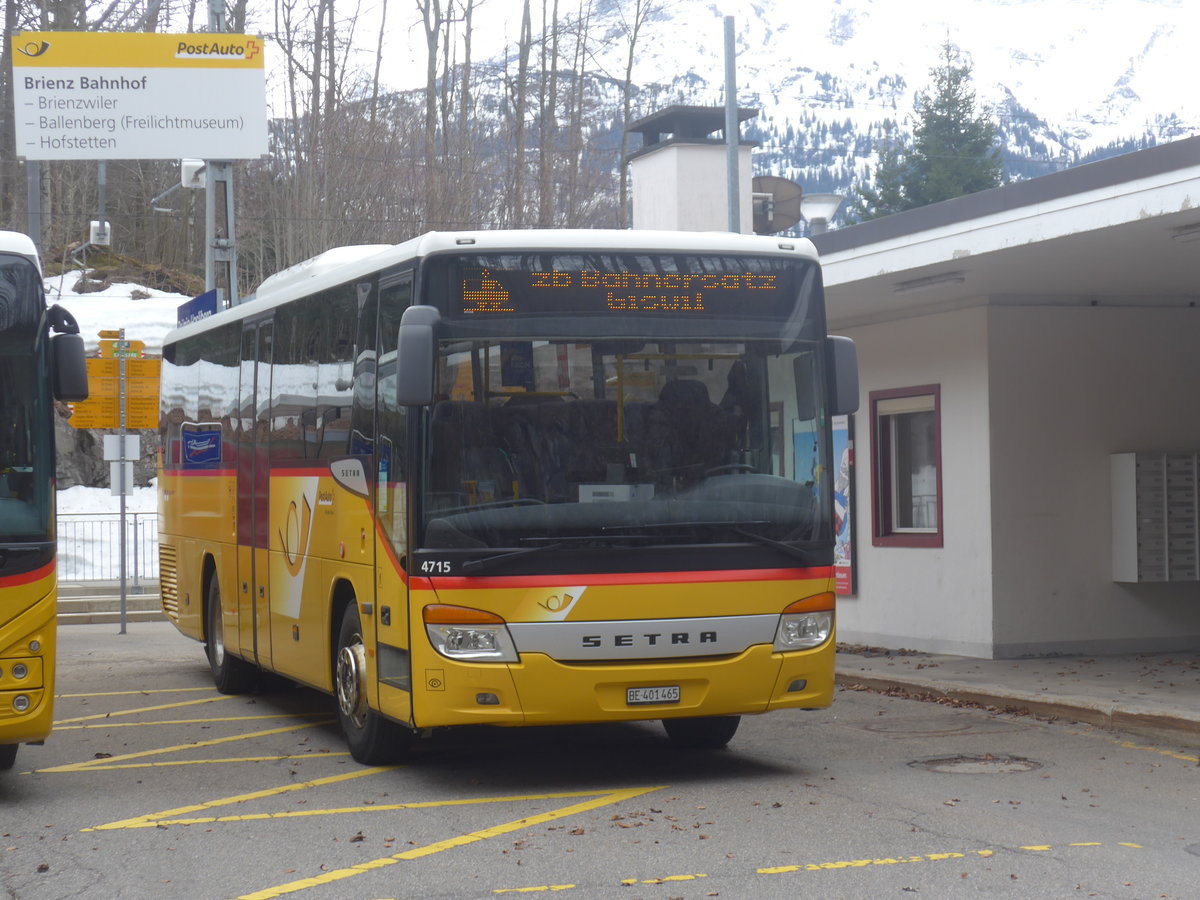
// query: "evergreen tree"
[[953, 151], [887, 194], [954, 147]]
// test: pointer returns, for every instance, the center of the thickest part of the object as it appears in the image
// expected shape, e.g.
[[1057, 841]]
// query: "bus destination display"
[[490, 290]]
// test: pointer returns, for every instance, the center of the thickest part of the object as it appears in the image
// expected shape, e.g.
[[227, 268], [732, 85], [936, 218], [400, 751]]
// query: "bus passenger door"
[[391, 509], [253, 475]]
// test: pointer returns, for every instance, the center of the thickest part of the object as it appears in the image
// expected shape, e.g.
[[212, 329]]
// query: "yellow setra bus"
[[513, 478], [36, 368]]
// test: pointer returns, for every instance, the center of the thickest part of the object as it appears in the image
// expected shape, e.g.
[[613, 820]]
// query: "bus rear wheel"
[[711, 733], [8, 756], [231, 675], [373, 740]]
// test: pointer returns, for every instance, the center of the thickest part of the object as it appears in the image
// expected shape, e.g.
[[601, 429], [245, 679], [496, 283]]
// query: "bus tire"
[[373, 740], [231, 675], [8, 756], [711, 733]]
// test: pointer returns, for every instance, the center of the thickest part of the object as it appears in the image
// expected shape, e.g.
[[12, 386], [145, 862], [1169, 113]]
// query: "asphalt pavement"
[[1153, 695]]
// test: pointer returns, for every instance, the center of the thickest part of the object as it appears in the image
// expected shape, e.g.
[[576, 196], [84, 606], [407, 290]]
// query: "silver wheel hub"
[[352, 681], [217, 638]]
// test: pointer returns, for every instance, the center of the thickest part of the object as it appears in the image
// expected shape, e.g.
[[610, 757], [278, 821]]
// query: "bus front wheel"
[[711, 733], [8, 756], [373, 740], [231, 675]]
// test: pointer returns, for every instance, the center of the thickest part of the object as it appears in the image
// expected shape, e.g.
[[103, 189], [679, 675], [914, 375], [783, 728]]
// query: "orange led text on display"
[[624, 291]]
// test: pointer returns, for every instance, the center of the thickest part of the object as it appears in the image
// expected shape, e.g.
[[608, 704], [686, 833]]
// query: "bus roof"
[[342, 264], [19, 244]]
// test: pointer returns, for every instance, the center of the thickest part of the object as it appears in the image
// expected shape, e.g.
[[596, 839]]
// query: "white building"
[[1010, 343]]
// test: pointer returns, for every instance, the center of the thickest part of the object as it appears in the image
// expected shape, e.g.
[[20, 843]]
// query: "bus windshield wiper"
[[489, 562], [782, 546]]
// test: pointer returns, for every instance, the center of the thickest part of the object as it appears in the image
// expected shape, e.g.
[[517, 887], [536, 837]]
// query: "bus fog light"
[[803, 631], [477, 643], [19, 670], [20, 703], [798, 685], [487, 699], [35, 646]]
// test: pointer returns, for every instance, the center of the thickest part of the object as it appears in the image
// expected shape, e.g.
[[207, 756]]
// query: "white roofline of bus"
[[344, 264], [20, 245]]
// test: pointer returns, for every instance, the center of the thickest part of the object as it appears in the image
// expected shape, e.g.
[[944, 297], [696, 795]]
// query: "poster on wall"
[[843, 505]]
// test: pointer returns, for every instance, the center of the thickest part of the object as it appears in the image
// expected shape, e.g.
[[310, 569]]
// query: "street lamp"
[[818, 209]]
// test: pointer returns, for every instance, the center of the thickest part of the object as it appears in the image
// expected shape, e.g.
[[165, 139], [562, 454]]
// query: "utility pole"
[[732, 137], [220, 244]]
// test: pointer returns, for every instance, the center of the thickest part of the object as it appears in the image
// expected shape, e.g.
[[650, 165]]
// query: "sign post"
[[124, 395]]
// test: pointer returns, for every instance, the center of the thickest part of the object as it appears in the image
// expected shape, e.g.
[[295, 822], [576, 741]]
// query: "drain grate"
[[987, 764]]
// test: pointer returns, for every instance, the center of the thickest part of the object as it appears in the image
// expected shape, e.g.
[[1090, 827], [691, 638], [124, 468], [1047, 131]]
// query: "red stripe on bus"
[[28, 577], [701, 577]]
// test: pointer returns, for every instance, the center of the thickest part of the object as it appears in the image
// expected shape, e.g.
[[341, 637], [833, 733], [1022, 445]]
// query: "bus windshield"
[[26, 460], [627, 444]]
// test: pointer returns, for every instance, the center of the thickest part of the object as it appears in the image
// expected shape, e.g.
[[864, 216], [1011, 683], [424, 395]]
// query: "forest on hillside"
[[532, 137]]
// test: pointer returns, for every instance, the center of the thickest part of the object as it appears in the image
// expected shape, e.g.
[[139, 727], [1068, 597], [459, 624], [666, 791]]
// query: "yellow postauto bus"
[[513, 478], [35, 369]]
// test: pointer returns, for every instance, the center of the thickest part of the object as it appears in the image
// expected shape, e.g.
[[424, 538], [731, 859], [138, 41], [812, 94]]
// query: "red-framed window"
[[906, 466]]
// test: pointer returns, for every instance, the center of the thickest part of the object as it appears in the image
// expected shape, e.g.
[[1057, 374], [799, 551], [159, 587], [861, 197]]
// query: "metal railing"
[[89, 547]]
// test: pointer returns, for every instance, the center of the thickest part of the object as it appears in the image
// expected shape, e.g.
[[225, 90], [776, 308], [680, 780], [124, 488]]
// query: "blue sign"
[[202, 448], [197, 308]]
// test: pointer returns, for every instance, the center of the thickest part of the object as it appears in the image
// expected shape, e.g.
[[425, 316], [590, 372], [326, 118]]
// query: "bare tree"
[[633, 16]]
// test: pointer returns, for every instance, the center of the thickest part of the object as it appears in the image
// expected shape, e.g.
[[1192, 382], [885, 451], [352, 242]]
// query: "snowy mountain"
[[1064, 78]]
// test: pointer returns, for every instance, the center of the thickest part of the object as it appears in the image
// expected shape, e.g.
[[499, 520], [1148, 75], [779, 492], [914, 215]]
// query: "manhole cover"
[[987, 764]]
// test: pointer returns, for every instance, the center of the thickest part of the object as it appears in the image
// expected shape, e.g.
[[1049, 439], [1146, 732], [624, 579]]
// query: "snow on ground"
[[147, 319], [80, 499]]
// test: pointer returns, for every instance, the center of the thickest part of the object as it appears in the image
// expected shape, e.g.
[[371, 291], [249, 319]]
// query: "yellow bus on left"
[[41, 360]]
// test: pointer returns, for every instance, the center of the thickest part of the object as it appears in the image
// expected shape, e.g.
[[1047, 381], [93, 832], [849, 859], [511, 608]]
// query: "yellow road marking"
[[131, 693], [540, 889], [142, 709], [111, 761], [228, 759], [808, 867], [927, 857], [1130, 745], [153, 819], [606, 799], [1184, 757], [379, 807], [191, 721]]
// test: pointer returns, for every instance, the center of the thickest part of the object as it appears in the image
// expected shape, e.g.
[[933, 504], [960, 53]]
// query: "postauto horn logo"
[[34, 48]]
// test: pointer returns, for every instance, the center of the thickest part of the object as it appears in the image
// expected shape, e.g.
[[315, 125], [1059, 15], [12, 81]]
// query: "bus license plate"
[[665, 694]]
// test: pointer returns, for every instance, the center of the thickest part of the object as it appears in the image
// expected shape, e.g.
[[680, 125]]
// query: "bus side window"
[[335, 382], [391, 420]]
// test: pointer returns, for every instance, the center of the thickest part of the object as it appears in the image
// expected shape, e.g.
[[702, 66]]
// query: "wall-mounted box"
[[1155, 517]]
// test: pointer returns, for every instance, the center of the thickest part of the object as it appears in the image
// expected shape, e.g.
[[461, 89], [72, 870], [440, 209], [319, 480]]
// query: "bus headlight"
[[806, 623], [472, 635], [803, 631]]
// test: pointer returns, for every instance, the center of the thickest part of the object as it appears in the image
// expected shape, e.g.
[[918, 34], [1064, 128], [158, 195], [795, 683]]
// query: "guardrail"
[[89, 547]]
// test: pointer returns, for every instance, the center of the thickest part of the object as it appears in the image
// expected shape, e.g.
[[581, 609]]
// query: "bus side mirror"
[[69, 369], [842, 358], [414, 356]]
